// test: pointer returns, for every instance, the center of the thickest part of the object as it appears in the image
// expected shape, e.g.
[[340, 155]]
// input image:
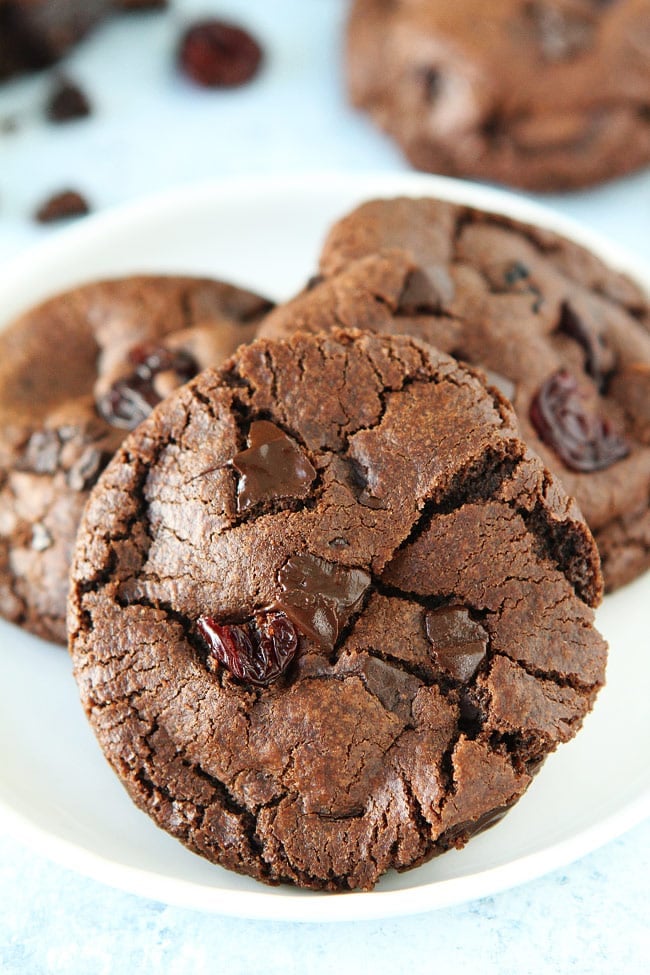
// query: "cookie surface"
[[564, 336], [328, 614], [548, 94], [76, 373]]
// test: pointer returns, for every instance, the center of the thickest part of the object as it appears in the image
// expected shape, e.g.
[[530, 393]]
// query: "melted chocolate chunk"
[[599, 359], [272, 467], [583, 440], [459, 643], [319, 596], [256, 652], [130, 399]]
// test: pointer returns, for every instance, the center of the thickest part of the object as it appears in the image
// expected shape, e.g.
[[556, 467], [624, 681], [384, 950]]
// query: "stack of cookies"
[[330, 603]]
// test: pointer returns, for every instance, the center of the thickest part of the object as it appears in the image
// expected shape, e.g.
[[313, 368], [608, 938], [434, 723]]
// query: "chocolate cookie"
[[328, 615], [37, 33], [562, 335], [544, 94], [76, 374]]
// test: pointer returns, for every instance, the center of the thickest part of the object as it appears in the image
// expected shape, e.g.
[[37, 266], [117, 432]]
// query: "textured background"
[[151, 130]]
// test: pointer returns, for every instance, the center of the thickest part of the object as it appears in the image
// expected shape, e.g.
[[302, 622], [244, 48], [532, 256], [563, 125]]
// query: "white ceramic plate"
[[56, 791]]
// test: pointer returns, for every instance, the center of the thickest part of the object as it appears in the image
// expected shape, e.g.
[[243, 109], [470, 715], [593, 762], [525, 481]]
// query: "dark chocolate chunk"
[[256, 652], [319, 596], [459, 643], [273, 466], [583, 440]]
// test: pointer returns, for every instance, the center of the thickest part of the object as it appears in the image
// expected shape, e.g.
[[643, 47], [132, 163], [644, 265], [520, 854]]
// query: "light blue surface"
[[151, 130]]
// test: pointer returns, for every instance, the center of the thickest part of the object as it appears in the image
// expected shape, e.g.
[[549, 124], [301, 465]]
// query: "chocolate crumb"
[[61, 206], [67, 102]]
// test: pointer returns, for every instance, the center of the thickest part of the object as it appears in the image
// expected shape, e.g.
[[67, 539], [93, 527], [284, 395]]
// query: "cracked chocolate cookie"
[[76, 374], [563, 336], [328, 614], [544, 94]]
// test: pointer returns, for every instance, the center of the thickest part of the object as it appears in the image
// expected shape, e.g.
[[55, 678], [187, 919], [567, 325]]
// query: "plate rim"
[[318, 906]]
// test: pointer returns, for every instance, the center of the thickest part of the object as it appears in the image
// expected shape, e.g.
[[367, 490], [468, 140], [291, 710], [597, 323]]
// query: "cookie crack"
[[478, 480]]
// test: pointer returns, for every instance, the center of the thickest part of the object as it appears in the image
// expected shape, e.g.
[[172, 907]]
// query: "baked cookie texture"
[[564, 336], [76, 373], [546, 94], [328, 614]]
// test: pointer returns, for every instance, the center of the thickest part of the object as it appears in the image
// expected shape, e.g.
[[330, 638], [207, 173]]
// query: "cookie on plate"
[[563, 336], [548, 94], [77, 373], [328, 614]]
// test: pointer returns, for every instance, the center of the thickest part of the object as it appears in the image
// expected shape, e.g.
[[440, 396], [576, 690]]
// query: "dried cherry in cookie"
[[584, 441], [256, 652], [273, 466]]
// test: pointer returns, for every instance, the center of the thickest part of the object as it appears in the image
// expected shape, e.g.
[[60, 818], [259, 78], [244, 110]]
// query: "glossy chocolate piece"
[[272, 467], [459, 643], [319, 596]]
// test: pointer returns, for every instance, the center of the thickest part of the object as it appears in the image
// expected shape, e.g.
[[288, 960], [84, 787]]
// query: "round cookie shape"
[[549, 94], [328, 615], [562, 335], [76, 373]]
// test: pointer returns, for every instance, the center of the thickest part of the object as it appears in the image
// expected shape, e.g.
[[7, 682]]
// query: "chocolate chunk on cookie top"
[[328, 615], [76, 374], [545, 94]]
